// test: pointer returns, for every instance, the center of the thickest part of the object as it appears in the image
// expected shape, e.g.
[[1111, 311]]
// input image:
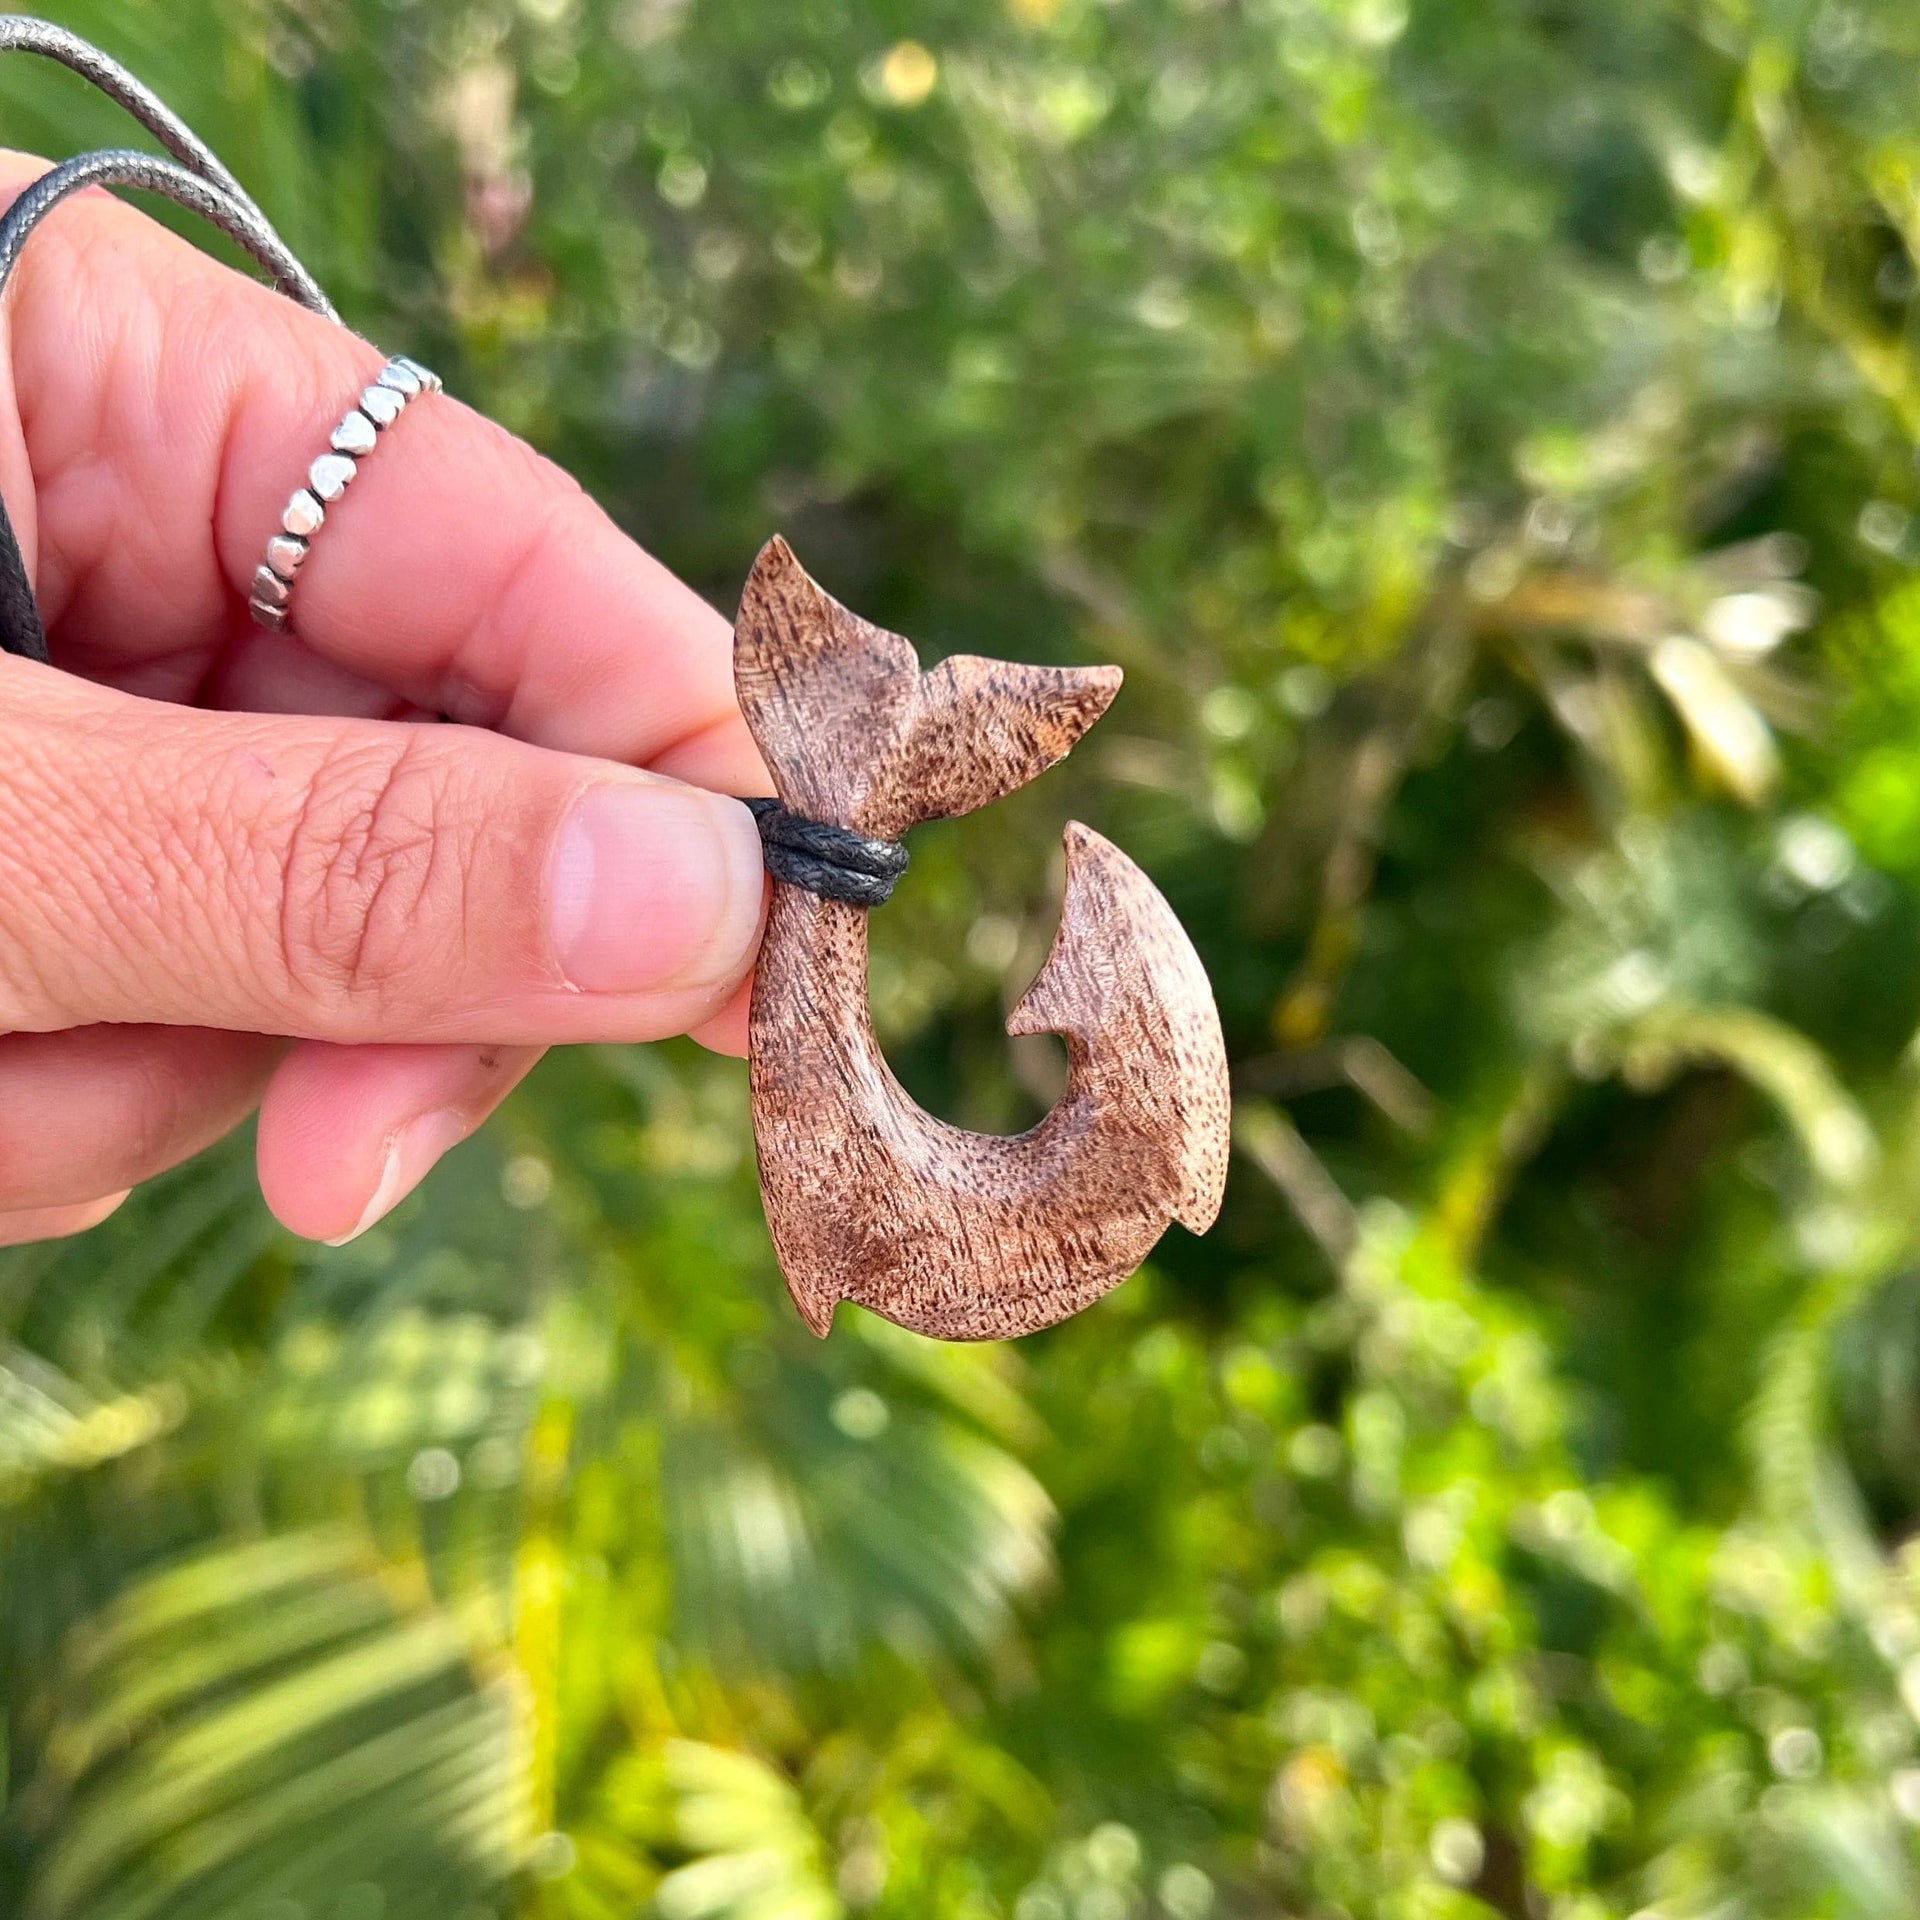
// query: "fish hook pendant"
[[965, 1236]]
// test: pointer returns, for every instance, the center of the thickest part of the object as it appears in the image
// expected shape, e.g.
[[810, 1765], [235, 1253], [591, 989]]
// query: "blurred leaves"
[[1487, 437], [273, 1720]]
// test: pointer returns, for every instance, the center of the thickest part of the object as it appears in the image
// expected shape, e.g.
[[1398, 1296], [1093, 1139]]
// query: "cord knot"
[[834, 862]]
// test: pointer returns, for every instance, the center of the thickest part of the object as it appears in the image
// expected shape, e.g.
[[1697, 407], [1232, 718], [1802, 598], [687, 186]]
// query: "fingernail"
[[653, 887], [411, 1155]]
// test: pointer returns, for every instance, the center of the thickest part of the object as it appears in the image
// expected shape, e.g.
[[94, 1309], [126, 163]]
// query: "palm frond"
[[267, 1721]]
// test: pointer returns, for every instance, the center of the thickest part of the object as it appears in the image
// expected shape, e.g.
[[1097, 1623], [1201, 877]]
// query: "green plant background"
[[1486, 432]]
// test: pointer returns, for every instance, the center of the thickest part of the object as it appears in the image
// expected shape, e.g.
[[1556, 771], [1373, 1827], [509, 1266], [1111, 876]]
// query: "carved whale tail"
[[857, 735]]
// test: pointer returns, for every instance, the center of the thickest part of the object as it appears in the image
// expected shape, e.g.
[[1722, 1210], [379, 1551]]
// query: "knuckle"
[[363, 868]]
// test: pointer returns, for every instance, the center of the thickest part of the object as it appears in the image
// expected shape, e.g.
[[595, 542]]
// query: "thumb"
[[352, 880]]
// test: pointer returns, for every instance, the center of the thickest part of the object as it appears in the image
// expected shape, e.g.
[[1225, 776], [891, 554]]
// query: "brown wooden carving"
[[962, 1235]]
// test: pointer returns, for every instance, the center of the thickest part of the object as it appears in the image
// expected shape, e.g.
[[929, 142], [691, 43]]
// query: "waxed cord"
[[21, 33], [193, 178], [834, 862]]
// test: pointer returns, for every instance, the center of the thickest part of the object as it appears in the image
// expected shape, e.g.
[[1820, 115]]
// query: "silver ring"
[[401, 381]]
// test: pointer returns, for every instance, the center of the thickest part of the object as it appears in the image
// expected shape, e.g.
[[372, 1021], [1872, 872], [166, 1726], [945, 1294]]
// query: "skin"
[[237, 871]]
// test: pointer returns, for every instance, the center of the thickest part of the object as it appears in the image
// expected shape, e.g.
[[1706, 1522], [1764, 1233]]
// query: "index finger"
[[170, 407]]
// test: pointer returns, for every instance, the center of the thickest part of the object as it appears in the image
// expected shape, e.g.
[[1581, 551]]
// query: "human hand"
[[211, 835]]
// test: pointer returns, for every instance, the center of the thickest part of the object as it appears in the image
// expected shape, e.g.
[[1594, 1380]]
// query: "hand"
[[210, 835]]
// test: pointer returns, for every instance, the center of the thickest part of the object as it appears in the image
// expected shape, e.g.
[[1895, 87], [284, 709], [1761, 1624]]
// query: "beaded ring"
[[401, 381]]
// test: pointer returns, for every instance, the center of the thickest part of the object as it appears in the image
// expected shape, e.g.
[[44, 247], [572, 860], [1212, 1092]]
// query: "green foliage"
[[1486, 433]]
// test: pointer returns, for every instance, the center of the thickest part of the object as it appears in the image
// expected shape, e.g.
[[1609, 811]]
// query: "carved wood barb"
[[962, 1235]]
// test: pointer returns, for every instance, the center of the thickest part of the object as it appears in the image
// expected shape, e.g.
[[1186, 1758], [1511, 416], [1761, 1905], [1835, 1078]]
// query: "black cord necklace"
[[193, 178]]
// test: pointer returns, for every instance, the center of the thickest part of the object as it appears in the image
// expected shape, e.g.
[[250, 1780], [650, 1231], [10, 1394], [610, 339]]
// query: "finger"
[[346, 1133], [351, 1100], [262, 672], [353, 880], [103, 1108], [726, 1032], [56, 1223], [162, 396]]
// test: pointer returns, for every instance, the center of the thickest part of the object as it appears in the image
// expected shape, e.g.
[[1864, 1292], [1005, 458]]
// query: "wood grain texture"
[[964, 1236]]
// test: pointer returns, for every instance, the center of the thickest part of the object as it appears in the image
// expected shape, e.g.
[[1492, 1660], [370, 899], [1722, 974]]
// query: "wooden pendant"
[[964, 1236]]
